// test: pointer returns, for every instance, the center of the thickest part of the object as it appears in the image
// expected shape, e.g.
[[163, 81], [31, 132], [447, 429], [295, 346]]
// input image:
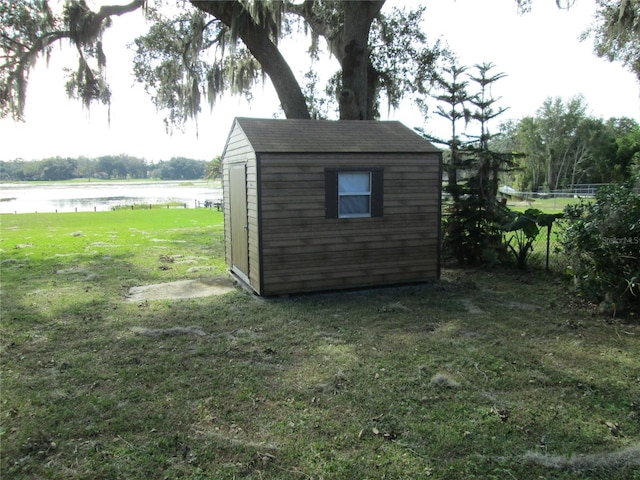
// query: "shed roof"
[[270, 135]]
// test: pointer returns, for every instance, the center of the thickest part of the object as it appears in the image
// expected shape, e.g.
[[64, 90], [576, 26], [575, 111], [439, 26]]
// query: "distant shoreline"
[[77, 181], [82, 195]]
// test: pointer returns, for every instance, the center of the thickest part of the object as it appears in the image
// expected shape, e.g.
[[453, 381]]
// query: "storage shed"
[[314, 205]]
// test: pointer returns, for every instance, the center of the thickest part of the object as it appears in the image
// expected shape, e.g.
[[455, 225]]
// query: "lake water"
[[101, 196]]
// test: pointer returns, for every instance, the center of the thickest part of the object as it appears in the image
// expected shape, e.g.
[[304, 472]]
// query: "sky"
[[540, 53]]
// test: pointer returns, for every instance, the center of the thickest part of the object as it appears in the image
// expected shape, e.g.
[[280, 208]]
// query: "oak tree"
[[205, 49]]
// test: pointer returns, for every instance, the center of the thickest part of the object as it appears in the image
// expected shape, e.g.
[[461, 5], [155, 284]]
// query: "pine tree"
[[474, 218]]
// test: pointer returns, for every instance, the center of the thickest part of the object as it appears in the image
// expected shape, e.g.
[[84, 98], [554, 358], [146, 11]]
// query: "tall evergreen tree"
[[474, 218], [490, 162], [452, 85]]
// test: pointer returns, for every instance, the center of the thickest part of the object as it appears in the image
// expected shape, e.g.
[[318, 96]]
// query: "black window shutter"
[[377, 192], [331, 193]]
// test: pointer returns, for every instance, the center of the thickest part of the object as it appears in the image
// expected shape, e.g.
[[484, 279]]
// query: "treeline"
[[563, 146], [107, 167]]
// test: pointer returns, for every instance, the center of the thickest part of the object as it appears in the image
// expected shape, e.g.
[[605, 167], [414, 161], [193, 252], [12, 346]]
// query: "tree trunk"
[[354, 100], [350, 47], [257, 39], [550, 171], [360, 81]]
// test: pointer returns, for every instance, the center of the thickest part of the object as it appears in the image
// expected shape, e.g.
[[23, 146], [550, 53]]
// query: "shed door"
[[239, 223]]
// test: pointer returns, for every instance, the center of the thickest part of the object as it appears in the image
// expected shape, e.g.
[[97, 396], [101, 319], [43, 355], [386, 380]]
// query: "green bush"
[[472, 231], [602, 242]]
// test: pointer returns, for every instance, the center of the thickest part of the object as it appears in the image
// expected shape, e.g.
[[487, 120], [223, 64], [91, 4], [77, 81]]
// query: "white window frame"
[[354, 193]]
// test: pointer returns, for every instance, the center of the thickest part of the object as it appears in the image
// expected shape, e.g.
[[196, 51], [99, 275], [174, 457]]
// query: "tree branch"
[[305, 11], [111, 10], [13, 88], [258, 40], [38, 46]]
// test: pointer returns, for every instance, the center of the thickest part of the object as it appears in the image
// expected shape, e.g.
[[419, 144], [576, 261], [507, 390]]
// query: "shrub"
[[472, 231], [602, 242]]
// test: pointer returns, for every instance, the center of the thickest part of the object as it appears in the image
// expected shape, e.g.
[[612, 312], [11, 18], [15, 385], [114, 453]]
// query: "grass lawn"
[[546, 205], [483, 375]]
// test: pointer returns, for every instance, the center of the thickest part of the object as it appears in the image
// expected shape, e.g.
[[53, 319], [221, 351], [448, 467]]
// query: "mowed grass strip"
[[480, 375], [547, 205]]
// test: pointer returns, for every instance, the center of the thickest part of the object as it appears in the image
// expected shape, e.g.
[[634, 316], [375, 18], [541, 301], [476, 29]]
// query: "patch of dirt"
[[522, 306], [626, 457], [201, 268], [162, 240], [394, 308], [471, 307], [78, 273], [183, 289], [170, 332]]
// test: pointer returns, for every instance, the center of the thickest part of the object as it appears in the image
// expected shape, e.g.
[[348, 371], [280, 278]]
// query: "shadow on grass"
[[398, 383]]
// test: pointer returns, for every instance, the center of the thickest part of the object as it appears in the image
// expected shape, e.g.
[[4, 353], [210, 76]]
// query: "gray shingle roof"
[[269, 135]]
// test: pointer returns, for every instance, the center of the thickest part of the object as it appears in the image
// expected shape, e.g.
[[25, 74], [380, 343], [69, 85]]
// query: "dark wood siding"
[[302, 250]]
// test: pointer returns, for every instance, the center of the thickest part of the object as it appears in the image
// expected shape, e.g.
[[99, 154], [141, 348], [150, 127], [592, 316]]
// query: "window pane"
[[354, 182], [351, 205]]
